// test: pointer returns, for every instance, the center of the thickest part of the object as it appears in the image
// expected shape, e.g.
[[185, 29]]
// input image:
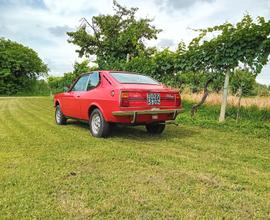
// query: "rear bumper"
[[134, 113]]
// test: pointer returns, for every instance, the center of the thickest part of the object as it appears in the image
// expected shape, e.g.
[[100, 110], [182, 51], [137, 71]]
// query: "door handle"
[[78, 96]]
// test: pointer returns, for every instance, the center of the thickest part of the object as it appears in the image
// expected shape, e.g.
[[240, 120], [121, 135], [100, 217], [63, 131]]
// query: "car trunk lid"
[[150, 96]]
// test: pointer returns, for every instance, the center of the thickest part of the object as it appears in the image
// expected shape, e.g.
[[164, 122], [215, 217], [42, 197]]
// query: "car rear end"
[[145, 103]]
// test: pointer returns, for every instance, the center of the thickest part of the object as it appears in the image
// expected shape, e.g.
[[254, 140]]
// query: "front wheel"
[[155, 128], [60, 119], [98, 126]]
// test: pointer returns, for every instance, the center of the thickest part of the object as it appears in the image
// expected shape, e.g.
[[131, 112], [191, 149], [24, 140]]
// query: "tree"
[[242, 84], [223, 48], [113, 37], [195, 61], [243, 80], [82, 67], [19, 66], [164, 68]]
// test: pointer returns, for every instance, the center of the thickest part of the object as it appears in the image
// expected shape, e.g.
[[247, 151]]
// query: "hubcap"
[[95, 123], [58, 115]]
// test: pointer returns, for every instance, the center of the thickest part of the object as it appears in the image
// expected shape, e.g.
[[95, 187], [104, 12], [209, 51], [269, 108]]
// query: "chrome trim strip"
[[147, 112]]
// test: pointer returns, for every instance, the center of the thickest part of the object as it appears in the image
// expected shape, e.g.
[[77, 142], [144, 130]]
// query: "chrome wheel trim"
[[58, 115], [96, 123]]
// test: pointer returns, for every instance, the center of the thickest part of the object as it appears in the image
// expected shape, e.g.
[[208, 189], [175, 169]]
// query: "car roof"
[[106, 72], [121, 71]]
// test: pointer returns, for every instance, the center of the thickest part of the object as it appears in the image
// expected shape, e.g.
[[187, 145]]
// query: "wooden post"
[[239, 104], [225, 97], [128, 57]]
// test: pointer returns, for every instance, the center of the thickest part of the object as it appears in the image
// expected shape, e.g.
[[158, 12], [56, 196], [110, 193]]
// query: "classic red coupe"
[[104, 98]]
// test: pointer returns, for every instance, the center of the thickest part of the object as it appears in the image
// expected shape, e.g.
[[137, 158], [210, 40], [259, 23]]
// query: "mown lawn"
[[54, 172]]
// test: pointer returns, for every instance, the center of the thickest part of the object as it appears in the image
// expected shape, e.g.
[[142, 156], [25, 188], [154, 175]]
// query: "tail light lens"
[[177, 99], [124, 99]]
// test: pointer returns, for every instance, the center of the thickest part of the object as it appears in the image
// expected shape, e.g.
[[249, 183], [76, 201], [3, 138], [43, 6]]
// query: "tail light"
[[124, 99], [177, 99]]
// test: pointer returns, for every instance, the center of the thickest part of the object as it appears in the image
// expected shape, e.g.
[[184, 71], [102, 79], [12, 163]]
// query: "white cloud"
[[59, 31], [41, 24], [165, 42]]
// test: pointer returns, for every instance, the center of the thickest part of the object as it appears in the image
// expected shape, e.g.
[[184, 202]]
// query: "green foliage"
[[159, 65], [57, 83], [41, 87], [194, 81], [261, 90], [19, 67], [36, 88], [247, 42], [243, 80], [113, 36], [221, 49], [164, 70], [80, 68], [140, 64]]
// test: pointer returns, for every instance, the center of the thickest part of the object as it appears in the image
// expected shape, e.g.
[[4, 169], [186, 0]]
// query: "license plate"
[[155, 117], [153, 98]]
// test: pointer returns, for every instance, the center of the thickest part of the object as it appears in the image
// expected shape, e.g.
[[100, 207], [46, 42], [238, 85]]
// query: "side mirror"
[[66, 89]]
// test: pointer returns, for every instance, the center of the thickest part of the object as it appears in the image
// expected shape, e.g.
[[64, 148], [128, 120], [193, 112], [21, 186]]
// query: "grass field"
[[54, 172]]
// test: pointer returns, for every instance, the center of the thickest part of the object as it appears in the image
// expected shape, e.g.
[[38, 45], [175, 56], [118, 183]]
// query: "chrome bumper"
[[134, 113]]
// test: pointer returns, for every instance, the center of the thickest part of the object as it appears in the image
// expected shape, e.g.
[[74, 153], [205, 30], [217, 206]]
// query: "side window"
[[93, 80], [81, 84]]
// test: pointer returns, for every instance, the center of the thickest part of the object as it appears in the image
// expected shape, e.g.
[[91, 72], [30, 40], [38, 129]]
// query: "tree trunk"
[[239, 104], [225, 97], [205, 94]]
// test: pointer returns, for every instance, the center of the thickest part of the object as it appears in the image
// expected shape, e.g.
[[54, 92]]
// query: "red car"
[[103, 98]]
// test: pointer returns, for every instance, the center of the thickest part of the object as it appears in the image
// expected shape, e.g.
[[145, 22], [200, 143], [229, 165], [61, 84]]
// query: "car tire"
[[98, 125], [60, 119], [155, 128]]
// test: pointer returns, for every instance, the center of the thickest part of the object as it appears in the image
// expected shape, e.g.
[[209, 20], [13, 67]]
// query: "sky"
[[42, 24]]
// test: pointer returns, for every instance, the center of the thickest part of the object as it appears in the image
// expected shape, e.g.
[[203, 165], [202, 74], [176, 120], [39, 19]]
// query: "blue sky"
[[42, 24]]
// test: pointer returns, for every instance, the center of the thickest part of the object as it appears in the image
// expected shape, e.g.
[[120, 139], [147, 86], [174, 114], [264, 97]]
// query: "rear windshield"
[[133, 78]]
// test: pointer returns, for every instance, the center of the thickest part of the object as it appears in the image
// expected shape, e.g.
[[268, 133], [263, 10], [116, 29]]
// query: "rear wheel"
[[155, 128], [98, 126], [60, 119]]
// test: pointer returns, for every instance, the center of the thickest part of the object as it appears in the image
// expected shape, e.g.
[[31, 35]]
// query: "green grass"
[[54, 172]]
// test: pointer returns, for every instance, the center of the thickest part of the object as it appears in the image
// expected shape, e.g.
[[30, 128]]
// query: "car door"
[[71, 99], [90, 95]]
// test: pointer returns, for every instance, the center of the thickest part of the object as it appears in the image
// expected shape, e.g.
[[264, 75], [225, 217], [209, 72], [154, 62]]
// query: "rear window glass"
[[133, 78]]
